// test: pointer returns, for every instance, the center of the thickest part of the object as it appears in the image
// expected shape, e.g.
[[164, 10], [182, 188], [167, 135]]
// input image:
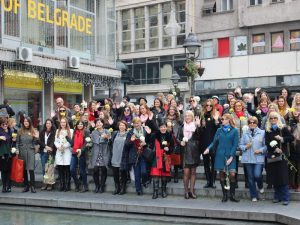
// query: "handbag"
[[17, 170], [148, 154], [49, 172], [275, 159]]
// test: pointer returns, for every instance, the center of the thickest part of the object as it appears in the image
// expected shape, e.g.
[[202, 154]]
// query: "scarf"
[[170, 117], [274, 126], [144, 118], [282, 111], [226, 127], [127, 118], [264, 110], [138, 133], [240, 114], [78, 140], [188, 129]]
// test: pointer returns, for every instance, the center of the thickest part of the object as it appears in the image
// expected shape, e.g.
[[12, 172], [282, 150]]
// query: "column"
[[119, 31], [88, 93], [132, 29], [173, 11], [147, 31], [160, 27], [48, 100]]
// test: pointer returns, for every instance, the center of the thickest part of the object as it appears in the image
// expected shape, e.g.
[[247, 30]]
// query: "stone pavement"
[[263, 211]]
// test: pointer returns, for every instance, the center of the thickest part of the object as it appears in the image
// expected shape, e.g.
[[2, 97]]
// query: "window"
[[180, 17], [207, 49], [295, 40], [166, 8], [62, 32], [126, 31], [258, 43], [255, 2], [11, 22], [277, 42], [209, 7], [277, 1], [223, 47], [153, 27], [139, 22], [227, 5]]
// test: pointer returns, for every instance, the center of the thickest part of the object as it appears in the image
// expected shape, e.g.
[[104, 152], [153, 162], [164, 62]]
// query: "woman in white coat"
[[63, 154]]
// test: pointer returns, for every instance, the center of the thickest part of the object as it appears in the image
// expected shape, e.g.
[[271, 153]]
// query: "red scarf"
[[78, 140], [240, 114]]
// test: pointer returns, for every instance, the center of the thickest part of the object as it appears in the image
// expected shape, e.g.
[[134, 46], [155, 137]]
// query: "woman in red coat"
[[163, 143]]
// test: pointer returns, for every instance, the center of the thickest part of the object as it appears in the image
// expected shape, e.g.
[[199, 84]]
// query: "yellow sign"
[[67, 86], [22, 80], [42, 12]]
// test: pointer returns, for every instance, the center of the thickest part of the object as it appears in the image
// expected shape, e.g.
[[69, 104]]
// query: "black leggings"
[[96, 173], [5, 170], [116, 174]]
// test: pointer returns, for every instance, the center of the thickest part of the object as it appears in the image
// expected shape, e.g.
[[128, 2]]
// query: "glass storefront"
[[24, 93]]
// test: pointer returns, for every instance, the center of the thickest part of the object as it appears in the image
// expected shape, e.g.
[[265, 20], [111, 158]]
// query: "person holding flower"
[[294, 111], [63, 154], [137, 140], [77, 113], [225, 143], [253, 147], [118, 164], [79, 154], [161, 165], [277, 139], [158, 110], [5, 148], [100, 155], [12, 126], [294, 179], [240, 117], [189, 140], [209, 125], [47, 147], [26, 139]]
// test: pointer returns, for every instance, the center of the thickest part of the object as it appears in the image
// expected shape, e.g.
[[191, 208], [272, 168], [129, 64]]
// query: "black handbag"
[[275, 159], [148, 154]]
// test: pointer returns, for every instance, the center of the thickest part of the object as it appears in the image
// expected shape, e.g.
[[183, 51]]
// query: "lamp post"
[[175, 79], [192, 51], [124, 69]]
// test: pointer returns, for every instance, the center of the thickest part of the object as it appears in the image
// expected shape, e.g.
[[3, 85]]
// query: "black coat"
[[278, 171], [50, 141], [207, 132]]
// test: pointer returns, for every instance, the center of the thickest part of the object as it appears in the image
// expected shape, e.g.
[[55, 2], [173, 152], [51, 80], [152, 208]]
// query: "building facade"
[[247, 43], [52, 48]]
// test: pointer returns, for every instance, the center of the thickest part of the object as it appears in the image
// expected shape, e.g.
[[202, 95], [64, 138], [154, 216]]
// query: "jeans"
[[140, 173], [281, 193], [82, 168], [254, 172], [44, 159]]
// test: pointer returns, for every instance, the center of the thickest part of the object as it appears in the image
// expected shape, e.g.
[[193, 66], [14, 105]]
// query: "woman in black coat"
[[209, 125], [277, 139], [47, 147]]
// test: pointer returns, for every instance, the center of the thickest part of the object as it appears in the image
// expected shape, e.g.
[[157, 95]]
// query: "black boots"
[[77, 184], [207, 176], [97, 182], [123, 182], [164, 182], [103, 180], [225, 196], [232, 192], [84, 188], [155, 189], [32, 182], [117, 188], [175, 174]]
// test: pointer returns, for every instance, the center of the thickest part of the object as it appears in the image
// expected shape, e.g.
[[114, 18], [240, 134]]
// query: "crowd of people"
[[152, 142]]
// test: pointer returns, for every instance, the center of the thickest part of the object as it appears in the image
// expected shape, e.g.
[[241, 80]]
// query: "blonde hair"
[[294, 104], [136, 120], [230, 118], [275, 106], [268, 123], [189, 112]]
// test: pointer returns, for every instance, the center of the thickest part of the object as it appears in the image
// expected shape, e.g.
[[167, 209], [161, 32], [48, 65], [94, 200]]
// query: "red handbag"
[[17, 170]]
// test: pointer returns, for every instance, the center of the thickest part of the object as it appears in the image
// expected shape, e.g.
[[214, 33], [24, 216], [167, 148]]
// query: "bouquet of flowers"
[[88, 141], [185, 139], [13, 150]]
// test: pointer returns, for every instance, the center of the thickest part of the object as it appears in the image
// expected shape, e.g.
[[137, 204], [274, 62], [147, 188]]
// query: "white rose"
[[169, 124], [273, 143], [185, 139], [73, 117], [142, 138], [88, 139], [164, 143], [258, 112], [174, 93], [245, 128], [122, 104], [13, 150], [78, 151], [46, 177]]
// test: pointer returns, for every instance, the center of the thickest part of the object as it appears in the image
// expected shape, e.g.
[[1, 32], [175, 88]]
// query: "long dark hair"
[[31, 129], [76, 126], [53, 128]]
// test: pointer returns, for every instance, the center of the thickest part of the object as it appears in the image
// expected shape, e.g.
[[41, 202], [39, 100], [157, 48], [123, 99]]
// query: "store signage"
[[22, 80], [67, 86], [44, 13]]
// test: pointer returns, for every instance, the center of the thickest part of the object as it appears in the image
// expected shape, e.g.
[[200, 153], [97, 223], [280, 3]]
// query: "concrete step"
[[177, 189]]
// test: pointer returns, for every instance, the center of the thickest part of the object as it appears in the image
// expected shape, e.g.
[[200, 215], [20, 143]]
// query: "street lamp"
[[175, 79], [192, 51], [124, 69]]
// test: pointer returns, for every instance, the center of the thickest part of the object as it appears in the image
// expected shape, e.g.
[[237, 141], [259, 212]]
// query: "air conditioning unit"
[[73, 62], [232, 85], [24, 54]]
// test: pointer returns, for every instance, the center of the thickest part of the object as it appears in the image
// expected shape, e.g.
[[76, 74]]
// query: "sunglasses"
[[127, 110], [4, 124], [273, 118], [252, 122], [62, 110], [222, 119], [191, 101], [208, 105]]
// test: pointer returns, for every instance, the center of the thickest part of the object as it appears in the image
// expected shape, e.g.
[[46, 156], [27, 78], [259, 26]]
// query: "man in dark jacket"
[[5, 108]]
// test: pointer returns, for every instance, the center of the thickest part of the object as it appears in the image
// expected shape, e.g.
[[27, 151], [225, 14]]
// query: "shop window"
[[295, 40], [226, 5], [258, 43], [277, 42], [207, 49], [223, 47]]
